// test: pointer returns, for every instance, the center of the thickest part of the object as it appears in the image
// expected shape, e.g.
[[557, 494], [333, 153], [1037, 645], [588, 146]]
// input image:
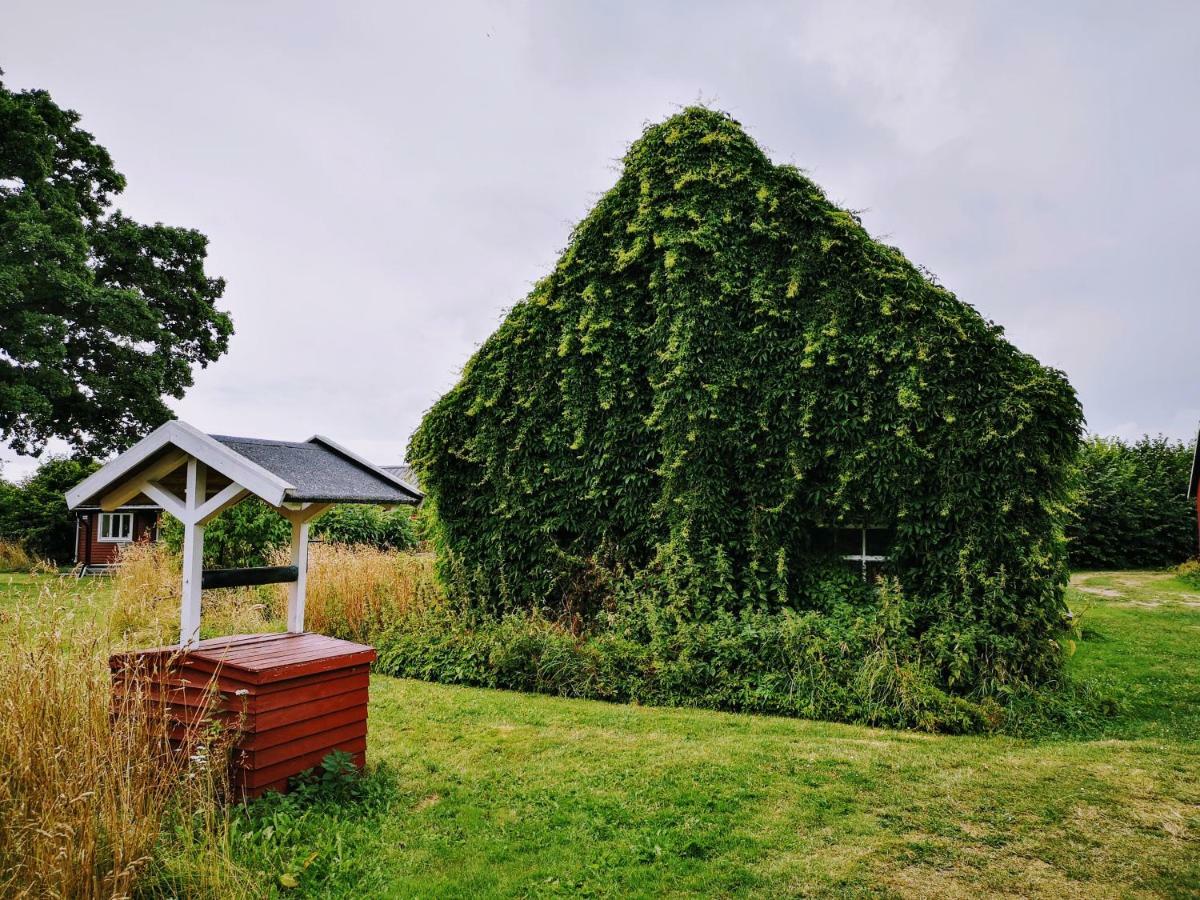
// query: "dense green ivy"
[[722, 363]]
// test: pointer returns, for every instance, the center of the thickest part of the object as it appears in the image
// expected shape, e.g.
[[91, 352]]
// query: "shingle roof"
[[322, 472]]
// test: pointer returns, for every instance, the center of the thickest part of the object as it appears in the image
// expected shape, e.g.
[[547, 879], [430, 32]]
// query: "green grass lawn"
[[503, 794], [496, 794]]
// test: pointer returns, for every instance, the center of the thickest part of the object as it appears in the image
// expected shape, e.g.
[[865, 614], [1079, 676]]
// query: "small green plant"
[[336, 780], [1189, 573], [304, 836]]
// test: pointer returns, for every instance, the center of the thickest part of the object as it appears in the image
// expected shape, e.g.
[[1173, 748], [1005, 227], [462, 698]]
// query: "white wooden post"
[[193, 552], [295, 605]]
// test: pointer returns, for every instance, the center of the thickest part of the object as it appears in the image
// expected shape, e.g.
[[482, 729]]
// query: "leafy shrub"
[[369, 526], [721, 364], [302, 835], [34, 511], [1189, 573], [243, 535], [853, 662], [1131, 508]]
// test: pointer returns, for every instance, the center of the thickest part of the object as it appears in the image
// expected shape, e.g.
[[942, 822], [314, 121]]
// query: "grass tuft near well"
[[89, 781], [356, 593]]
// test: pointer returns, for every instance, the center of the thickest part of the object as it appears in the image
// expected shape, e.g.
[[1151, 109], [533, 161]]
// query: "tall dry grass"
[[146, 596], [90, 788], [15, 558], [357, 593], [354, 592]]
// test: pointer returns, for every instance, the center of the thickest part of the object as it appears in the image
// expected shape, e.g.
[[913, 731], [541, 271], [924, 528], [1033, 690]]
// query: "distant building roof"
[[405, 473]]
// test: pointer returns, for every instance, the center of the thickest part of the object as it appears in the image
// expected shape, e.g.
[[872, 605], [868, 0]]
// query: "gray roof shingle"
[[321, 472]]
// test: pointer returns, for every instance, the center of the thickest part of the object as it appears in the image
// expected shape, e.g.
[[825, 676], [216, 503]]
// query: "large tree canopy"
[[100, 316], [722, 366]]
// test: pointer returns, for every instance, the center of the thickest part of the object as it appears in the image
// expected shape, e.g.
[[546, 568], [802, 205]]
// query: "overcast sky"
[[381, 181]]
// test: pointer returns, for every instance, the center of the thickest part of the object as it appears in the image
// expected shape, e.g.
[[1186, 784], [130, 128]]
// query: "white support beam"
[[228, 496], [297, 589], [122, 494], [306, 513], [193, 553], [165, 499]]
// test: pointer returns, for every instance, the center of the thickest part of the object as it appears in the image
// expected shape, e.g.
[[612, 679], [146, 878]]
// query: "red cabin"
[[100, 535]]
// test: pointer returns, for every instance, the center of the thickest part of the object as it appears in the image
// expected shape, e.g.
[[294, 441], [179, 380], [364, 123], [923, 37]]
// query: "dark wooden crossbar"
[[228, 578]]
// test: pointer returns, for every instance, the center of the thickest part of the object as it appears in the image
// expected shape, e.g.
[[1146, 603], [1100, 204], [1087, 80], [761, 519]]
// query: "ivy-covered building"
[[725, 394]]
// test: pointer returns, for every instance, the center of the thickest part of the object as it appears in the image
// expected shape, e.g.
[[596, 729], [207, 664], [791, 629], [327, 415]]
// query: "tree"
[[101, 317], [1131, 508], [34, 511]]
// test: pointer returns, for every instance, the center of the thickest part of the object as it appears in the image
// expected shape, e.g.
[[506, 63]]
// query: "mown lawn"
[[502, 794]]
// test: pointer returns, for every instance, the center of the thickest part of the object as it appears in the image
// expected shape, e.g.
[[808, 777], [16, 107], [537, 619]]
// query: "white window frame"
[[124, 535], [861, 556]]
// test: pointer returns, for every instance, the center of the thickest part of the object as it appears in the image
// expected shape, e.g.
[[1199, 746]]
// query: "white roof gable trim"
[[251, 476]]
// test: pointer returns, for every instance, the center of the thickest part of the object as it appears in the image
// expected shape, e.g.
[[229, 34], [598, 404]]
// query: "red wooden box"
[[293, 698]]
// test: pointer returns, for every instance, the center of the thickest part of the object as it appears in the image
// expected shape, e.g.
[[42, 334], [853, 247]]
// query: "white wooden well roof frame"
[[176, 445]]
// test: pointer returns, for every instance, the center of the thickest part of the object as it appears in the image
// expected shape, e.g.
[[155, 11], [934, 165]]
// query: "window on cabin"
[[116, 527], [867, 548]]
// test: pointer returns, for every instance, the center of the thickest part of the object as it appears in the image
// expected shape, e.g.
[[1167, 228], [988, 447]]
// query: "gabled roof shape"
[[278, 472], [1194, 484]]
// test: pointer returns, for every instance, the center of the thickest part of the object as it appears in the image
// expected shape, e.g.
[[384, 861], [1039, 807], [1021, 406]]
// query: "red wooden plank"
[[221, 678], [286, 684], [289, 767], [297, 651], [303, 711], [270, 756], [236, 648], [328, 687], [284, 645], [266, 675], [245, 656], [282, 734], [314, 666]]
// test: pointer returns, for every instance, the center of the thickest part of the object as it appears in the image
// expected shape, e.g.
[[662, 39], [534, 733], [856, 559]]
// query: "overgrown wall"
[[723, 364]]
